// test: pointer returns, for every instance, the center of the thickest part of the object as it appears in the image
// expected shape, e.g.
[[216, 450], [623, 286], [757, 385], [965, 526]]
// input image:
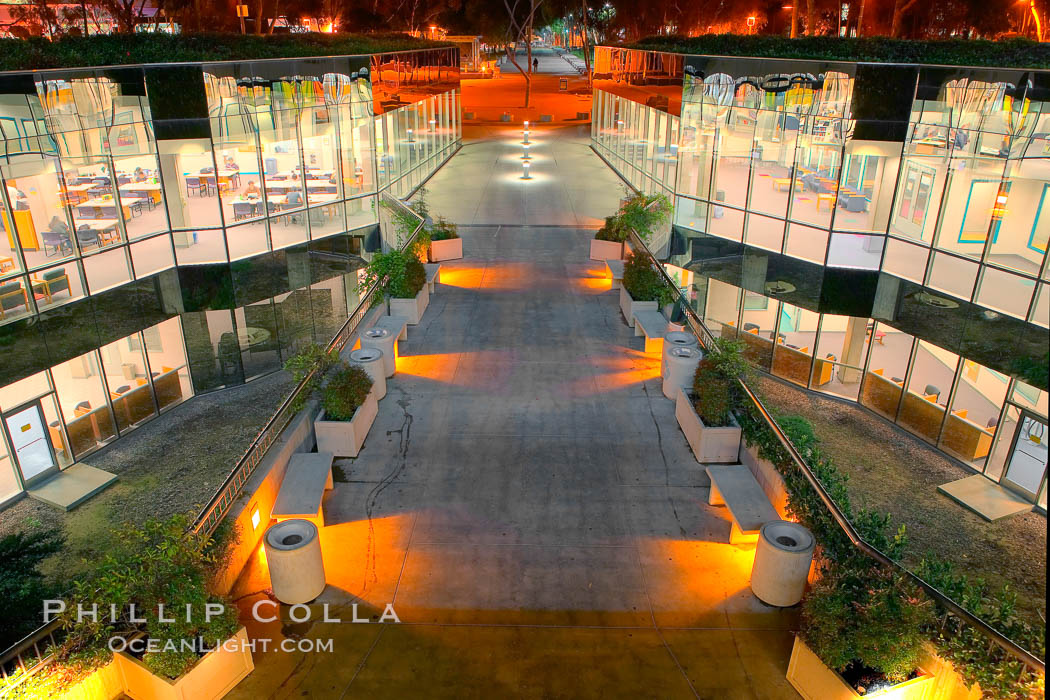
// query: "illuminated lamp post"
[[525, 170]]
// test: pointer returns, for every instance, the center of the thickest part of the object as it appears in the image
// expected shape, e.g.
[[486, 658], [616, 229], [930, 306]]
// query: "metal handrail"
[[227, 493], [707, 337]]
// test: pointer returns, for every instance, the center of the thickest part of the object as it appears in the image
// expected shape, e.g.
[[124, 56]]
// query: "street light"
[[750, 24]]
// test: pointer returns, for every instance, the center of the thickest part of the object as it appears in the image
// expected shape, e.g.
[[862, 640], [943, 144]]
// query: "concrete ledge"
[[70, 488], [985, 497]]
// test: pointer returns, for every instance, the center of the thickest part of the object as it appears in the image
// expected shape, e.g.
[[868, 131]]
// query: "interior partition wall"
[[170, 230], [874, 232]]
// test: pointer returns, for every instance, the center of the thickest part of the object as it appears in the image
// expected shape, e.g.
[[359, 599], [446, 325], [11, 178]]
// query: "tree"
[[38, 16], [900, 7], [520, 29], [125, 13]]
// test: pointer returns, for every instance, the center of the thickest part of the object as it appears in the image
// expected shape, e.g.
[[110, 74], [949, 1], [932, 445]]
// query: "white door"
[[31, 443]]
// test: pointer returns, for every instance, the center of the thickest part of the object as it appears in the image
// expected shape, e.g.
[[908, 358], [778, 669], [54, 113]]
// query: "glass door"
[[1027, 466], [28, 432], [913, 200]]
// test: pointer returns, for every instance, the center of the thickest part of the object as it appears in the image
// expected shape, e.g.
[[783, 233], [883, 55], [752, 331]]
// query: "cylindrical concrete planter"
[[386, 341], [815, 681], [782, 560], [293, 554], [411, 309], [448, 249], [606, 250], [344, 438], [628, 306], [710, 445], [371, 361], [681, 366], [675, 339]]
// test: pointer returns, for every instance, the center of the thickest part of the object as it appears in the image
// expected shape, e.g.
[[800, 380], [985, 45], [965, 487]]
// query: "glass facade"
[[874, 232], [175, 229]]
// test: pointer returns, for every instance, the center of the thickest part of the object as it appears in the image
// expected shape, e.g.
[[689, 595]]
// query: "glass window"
[[970, 427], [9, 484], [1005, 292], [14, 299], [923, 407], [57, 285], [772, 163], [806, 242], [841, 350], [818, 163], [953, 275], [1041, 308], [735, 146], [1021, 219], [855, 250], [360, 212], [246, 240], [758, 324], [914, 214], [141, 194], [905, 260], [972, 207], [39, 216], [765, 232], [796, 340], [199, 247], [213, 351], [721, 307], [257, 337], [887, 367], [188, 175], [107, 270], [98, 217], [152, 255], [83, 399], [124, 369], [17, 393], [167, 362]]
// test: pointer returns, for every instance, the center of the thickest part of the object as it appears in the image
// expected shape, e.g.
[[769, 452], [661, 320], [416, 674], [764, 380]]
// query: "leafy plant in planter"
[[443, 230], [161, 562], [714, 380], [644, 282], [644, 212], [312, 358], [614, 230], [866, 622], [400, 272], [345, 391]]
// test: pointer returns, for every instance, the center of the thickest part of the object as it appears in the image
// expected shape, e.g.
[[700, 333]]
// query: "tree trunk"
[[898, 16], [586, 44], [860, 20], [811, 17], [512, 54], [258, 17], [794, 18]]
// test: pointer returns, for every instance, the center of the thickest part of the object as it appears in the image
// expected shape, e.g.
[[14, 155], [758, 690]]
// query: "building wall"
[[820, 205], [175, 229]]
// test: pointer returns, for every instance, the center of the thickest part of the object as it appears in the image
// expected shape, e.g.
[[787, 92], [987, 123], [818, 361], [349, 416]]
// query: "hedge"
[[122, 49], [1012, 53]]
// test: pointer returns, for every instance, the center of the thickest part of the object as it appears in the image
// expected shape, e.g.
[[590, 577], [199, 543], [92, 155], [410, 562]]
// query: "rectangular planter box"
[[344, 438], [449, 249], [606, 250], [815, 681], [212, 677], [709, 445], [628, 306], [412, 309]]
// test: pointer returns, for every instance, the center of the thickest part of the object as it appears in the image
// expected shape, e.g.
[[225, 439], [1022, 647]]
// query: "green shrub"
[[160, 562], [715, 379], [400, 272], [443, 230], [644, 212], [22, 586], [117, 49], [1011, 53], [613, 230], [644, 282], [312, 358], [869, 614], [345, 391]]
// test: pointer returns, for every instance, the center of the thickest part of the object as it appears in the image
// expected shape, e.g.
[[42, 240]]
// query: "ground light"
[[433, 123], [411, 138], [526, 133], [525, 170], [525, 154]]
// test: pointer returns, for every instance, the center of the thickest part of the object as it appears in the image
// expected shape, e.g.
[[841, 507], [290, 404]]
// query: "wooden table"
[[142, 190], [826, 197], [92, 209], [782, 183], [105, 228], [6, 263]]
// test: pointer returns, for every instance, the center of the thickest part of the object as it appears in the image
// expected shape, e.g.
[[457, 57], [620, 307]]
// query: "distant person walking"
[[535, 64]]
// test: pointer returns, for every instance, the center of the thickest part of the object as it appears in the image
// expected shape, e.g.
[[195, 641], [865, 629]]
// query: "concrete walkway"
[[488, 99], [526, 502]]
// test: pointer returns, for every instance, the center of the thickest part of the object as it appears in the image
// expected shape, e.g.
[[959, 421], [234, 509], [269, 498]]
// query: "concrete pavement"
[[528, 505]]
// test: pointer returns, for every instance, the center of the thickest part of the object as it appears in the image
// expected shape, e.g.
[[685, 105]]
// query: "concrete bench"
[[306, 478], [545, 117], [653, 326], [433, 275], [735, 487], [615, 270], [397, 325]]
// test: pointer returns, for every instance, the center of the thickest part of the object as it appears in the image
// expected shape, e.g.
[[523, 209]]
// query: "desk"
[[105, 228], [782, 183], [6, 263], [826, 197], [141, 190], [105, 208]]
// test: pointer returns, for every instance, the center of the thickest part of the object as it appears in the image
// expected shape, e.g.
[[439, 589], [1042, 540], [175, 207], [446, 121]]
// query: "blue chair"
[[195, 184], [242, 210]]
